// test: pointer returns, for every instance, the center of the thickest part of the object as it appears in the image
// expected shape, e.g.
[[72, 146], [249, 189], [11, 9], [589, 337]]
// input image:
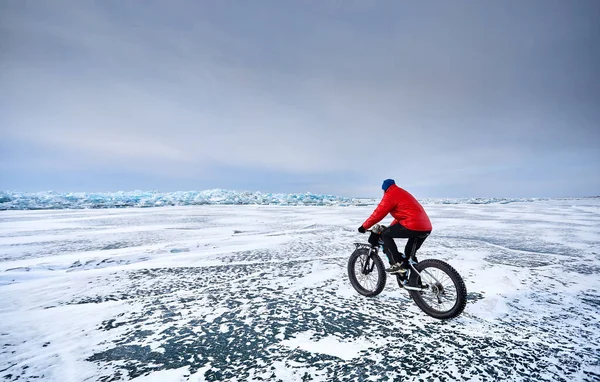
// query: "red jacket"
[[405, 209]]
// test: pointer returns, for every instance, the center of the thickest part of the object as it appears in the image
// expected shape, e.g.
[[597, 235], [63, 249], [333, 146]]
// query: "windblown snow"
[[260, 292]]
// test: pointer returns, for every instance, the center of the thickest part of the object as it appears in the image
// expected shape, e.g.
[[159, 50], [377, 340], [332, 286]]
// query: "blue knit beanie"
[[387, 183]]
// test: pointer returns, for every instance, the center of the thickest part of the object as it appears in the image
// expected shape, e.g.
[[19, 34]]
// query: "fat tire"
[[379, 268], [459, 284]]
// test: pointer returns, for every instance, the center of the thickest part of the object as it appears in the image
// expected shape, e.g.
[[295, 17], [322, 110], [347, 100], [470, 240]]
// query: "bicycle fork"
[[369, 264]]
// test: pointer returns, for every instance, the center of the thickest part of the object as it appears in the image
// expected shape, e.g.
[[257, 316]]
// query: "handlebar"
[[377, 229]]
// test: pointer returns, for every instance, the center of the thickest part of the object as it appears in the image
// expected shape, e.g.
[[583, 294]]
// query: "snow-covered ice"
[[251, 292]]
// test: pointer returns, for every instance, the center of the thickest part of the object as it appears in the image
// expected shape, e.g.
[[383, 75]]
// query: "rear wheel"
[[445, 295], [366, 272]]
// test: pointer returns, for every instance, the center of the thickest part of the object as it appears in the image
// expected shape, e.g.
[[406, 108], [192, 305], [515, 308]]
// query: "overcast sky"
[[449, 98]]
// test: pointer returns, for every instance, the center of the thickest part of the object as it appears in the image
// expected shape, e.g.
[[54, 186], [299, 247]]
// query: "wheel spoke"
[[442, 294], [367, 281]]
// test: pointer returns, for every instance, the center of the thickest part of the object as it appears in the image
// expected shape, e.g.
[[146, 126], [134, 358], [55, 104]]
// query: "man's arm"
[[384, 208]]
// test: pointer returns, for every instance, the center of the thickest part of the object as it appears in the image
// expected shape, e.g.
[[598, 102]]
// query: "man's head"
[[386, 184]]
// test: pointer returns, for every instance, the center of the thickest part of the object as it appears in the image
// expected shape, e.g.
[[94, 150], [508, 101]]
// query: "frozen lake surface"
[[261, 293]]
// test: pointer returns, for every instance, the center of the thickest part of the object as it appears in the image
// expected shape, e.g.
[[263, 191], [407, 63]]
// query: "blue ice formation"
[[48, 200]]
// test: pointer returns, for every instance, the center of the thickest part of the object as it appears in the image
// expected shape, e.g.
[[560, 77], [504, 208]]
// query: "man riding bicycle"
[[410, 221]]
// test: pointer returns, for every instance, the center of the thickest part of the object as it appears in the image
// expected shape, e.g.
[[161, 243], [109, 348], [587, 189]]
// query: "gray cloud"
[[456, 98]]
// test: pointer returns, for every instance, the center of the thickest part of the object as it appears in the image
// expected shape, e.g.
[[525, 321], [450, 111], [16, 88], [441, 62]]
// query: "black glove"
[[362, 229]]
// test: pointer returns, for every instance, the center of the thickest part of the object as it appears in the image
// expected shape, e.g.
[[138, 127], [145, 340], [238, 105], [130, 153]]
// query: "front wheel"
[[366, 272], [444, 295]]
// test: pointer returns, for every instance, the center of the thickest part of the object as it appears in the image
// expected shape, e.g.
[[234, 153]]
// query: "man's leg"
[[388, 235], [408, 249], [399, 231], [415, 240]]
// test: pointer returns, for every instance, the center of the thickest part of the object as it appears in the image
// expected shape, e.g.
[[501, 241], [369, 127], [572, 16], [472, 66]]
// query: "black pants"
[[398, 231]]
